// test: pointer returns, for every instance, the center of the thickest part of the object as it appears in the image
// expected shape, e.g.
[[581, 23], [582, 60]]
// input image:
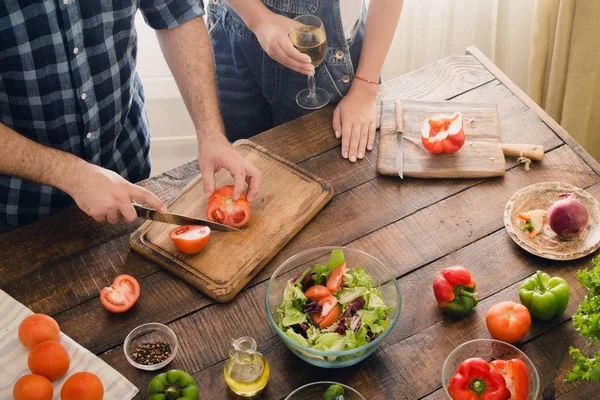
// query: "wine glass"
[[307, 34]]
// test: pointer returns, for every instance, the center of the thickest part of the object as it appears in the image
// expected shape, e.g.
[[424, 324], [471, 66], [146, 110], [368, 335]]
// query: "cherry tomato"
[[49, 359], [330, 313], [82, 386], [224, 210], [190, 239], [38, 328], [508, 321], [121, 295], [335, 281], [317, 292], [33, 387]]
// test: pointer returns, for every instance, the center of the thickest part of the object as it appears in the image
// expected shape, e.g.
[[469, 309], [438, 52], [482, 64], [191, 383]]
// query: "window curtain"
[[564, 66], [433, 29]]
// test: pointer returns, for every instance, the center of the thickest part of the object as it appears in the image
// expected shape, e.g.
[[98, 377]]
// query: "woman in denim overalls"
[[259, 72]]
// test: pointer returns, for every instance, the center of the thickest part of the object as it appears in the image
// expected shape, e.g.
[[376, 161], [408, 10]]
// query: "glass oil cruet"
[[246, 371]]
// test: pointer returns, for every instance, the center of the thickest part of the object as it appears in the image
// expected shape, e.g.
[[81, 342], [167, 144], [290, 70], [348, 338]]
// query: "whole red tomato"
[[224, 210], [82, 386], [508, 321]]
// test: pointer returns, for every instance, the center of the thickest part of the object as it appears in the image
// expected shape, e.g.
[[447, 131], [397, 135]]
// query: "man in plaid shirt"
[[73, 123]]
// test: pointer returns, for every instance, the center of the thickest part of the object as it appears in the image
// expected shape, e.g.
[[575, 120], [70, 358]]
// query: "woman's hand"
[[272, 34], [354, 120]]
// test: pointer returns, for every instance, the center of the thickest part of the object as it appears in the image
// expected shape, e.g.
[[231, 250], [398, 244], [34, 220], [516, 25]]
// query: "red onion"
[[567, 216]]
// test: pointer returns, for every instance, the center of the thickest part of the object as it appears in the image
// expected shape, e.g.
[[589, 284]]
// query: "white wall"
[[428, 30]]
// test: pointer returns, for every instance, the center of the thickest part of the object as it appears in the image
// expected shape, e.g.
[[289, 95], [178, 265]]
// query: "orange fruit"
[[49, 359], [82, 386], [38, 328], [33, 387]]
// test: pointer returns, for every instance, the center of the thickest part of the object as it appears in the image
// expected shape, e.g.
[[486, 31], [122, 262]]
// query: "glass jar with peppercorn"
[[150, 346]]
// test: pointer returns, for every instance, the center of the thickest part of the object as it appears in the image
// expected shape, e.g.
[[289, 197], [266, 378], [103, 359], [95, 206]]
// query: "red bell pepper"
[[475, 379], [516, 375], [443, 134], [454, 290]]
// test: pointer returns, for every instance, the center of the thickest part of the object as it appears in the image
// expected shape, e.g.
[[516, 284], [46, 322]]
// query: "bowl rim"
[[324, 353], [467, 343], [156, 326], [298, 390]]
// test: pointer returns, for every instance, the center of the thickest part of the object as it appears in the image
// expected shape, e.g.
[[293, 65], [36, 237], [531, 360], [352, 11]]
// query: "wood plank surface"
[[417, 228], [416, 316]]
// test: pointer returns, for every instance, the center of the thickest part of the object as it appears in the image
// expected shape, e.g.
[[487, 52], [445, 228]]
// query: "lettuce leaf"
[[347, 295], [292, 316], [357, 277], [330, 342], [336, 258], [296, 337], [321, 274]]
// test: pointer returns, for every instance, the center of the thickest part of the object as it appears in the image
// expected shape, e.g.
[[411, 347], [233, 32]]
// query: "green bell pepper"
[[173, 385], [543, 296], [334, 392]]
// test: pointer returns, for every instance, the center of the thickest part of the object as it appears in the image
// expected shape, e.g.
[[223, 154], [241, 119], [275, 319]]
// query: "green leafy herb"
[[528, 226], [585, 369], [586, 321]]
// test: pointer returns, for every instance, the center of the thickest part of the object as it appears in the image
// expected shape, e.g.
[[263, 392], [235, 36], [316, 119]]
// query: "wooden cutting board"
[[288, 199], [480, 156]]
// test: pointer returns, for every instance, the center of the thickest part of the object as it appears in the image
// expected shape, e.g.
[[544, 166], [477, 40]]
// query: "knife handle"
[[531, 151]]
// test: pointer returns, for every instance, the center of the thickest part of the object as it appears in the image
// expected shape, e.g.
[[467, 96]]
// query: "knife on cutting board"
[[176, 219], [530, 151]]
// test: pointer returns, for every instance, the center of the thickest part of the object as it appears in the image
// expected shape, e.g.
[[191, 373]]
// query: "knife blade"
[[176, 219], [399, 138]]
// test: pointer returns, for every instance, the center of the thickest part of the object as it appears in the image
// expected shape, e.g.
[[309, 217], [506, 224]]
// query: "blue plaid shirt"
[[68, 81]]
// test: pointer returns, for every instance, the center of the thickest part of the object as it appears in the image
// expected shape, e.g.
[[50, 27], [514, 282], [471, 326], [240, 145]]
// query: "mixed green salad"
[[333, 307]]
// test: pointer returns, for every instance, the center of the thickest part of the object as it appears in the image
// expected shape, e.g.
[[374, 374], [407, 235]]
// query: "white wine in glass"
[[307, 34]]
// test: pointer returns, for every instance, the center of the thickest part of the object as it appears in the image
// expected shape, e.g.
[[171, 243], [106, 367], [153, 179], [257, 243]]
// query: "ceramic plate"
[[548, 244]]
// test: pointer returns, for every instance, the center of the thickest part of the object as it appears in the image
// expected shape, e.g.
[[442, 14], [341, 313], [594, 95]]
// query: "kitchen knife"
[[175, 219], [399, 138]]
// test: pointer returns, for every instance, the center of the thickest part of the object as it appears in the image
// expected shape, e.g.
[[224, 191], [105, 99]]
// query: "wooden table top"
[[417, 227]]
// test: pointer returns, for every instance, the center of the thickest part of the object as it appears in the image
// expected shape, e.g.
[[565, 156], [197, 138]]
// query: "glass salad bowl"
[[334, 353], [489, 349], [315, 391]]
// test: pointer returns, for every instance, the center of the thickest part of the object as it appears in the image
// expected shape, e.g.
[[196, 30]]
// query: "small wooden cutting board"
[[288, 199], [480, 156]]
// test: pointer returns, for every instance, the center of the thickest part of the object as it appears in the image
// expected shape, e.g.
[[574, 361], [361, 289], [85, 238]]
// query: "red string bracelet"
[[366, 80]]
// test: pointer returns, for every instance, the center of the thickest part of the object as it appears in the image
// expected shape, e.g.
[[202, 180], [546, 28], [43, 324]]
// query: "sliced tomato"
[[335, 281], [223, 209], [330, 313], [317, 292], [190, 239], [121, 295]]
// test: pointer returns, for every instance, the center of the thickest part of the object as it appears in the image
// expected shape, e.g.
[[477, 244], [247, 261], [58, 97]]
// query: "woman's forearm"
[[251, 11], [382, 19]]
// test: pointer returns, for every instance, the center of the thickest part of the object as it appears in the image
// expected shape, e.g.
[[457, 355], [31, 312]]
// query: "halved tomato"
[[121, 295], [317, 292], [223, 209], [330, 313], [190, 239], [335, 281]]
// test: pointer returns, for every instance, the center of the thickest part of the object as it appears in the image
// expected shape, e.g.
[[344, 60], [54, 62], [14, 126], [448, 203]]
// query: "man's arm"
[[354, 117], [100, 193], [188, 53]]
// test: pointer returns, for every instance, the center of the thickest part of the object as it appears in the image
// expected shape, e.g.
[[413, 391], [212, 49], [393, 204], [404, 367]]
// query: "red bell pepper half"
[[516, 375], [475, 379], [454, 290], [443, 134]]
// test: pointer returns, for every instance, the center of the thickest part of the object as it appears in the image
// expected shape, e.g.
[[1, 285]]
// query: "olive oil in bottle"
[[246, 371]]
